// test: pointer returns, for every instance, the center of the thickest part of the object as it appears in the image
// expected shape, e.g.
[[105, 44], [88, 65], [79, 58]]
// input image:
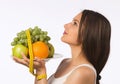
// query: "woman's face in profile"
[[70, 33]]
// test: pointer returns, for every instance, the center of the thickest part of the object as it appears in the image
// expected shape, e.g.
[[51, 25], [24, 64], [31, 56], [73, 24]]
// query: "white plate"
[[56, 56]]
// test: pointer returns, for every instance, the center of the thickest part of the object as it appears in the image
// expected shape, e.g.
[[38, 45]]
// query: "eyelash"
[[74, 23]]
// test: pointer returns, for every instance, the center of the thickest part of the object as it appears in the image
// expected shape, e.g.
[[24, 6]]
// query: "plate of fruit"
[[40, 42]]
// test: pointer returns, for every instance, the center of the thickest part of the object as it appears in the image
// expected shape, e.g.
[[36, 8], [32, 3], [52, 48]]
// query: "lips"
[[64, 32]]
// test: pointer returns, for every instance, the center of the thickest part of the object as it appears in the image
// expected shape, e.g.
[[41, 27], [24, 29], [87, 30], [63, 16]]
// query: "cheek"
[[74, 35], [70, 39], [74, 38]]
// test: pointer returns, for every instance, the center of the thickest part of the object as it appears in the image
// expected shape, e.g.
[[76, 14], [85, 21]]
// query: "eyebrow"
[[76, 20]]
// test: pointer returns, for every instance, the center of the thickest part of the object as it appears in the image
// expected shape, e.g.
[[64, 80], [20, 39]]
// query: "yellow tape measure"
[[31, 69]]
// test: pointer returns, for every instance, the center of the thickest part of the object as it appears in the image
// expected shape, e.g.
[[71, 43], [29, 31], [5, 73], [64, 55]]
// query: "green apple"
[[18, 49]]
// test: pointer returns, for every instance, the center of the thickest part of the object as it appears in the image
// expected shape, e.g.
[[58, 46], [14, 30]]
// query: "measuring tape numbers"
[[31, 69]]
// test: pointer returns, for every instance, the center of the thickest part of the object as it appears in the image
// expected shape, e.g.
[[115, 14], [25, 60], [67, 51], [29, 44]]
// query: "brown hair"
[[94, 35]]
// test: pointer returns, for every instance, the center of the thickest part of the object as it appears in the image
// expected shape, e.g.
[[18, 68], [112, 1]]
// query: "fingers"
[[20, 61], [25, 57], [24, 61], [38, 63], [38, 60]]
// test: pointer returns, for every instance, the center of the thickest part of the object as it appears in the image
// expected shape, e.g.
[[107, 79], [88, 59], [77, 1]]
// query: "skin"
[[82, 75]]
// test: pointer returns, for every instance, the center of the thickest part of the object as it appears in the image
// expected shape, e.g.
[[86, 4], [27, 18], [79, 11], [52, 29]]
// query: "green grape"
[[22, 41], [30, 29], [41, 38], [44, 36], [25, 44], [48, 38], [22, 32], [37, 37], [25, 41], [23, 36], [19, 42], [46, 41], [39, 30], [18, 34], [33, 39], [42, 32], [45, 32], [13, 43], [19, 38], [36, 28], [33, 33], [16, 39]]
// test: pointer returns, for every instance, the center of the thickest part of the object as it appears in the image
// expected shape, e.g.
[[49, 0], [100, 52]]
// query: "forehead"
[[78, 16]]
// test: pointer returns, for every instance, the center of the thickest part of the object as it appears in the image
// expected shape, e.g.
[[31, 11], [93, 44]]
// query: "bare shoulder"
[[82, 75], [63, 62]]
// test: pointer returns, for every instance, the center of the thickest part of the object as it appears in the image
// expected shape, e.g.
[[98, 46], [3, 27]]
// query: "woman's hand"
[[39, 64]]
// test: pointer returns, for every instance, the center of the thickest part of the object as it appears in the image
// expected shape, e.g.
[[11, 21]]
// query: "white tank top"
[[61, 80]]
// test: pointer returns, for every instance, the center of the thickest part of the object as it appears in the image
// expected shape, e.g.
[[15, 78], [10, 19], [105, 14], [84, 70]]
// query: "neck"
[[77, 55]]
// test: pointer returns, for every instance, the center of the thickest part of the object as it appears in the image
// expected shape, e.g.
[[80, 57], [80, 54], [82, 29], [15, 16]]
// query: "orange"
[[40, 49]]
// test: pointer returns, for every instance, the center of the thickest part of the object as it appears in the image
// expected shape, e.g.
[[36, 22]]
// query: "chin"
[[68, 41], [63, 39]]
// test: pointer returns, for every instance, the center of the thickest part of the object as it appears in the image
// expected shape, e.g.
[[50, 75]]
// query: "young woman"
[[88, 36]]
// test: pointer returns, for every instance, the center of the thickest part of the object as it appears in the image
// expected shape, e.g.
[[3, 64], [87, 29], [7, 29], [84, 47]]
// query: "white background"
[[51, 15]]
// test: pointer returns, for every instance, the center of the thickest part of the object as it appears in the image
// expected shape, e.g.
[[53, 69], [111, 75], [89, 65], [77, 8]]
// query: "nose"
[[66, 25]]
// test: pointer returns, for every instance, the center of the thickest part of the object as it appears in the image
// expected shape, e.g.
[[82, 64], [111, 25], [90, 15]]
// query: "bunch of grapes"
[[36, 35]]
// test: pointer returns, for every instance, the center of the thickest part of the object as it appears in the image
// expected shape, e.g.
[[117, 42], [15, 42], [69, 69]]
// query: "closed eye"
[[75, 23]]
